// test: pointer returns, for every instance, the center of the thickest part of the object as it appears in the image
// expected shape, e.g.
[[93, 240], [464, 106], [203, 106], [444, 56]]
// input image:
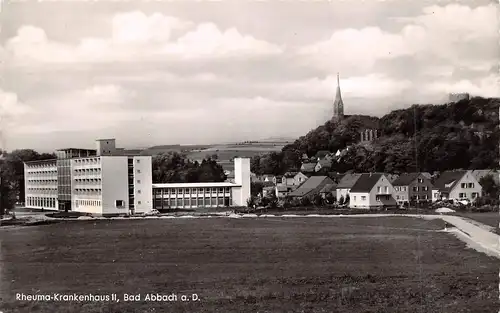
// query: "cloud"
[[137, 37], [81, 110], [208, 41], [444, 32], [486, 87]]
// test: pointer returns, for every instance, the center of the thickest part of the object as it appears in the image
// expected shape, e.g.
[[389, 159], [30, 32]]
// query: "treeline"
[[429, 138], [174, 167]]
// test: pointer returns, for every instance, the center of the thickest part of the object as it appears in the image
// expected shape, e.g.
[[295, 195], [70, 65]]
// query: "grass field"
[[350, 265]]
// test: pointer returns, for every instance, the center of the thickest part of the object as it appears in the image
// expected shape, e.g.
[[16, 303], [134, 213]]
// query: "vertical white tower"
[[242, 177], [106, 147]]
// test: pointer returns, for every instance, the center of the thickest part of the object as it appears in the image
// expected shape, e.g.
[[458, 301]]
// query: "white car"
[[153, 212]]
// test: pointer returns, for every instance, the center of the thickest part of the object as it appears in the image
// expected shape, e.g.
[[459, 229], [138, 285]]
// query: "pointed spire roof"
[[338, 104]]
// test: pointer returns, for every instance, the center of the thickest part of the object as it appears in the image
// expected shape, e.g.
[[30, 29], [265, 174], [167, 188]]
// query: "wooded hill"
[[463, 134]]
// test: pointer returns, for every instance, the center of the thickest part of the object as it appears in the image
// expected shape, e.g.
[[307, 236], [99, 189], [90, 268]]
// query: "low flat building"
[[206, 195]]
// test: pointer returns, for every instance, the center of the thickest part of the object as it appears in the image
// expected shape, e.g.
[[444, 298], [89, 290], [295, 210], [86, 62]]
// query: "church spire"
[[338, 104]]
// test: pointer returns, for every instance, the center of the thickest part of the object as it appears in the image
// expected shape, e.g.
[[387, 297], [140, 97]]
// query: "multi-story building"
[[413, 187], [97, 181], [41, 184], [211, 195]]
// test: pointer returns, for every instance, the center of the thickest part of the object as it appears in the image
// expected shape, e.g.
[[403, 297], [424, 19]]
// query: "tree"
[[489, 185], [256, 188], [7, 187], [347, 199], [341, 200], [317, 200], [173, 167]]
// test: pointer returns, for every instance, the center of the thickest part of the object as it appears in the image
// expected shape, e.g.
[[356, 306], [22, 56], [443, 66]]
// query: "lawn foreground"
[[389, 264]]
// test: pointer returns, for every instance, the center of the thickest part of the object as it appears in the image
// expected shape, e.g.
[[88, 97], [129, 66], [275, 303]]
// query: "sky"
[[199, 72]]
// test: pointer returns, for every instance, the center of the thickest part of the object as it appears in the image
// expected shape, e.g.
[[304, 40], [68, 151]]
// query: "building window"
[[461, 195], [397, 197], [425, 188], [138, 191], [470, 185], [474, 195], [120, 203], [415, 189], [363, 198], [386, 189], [139, 202], [354, 198], [138, 161], [463, 185], [138, 181], [378, 189]]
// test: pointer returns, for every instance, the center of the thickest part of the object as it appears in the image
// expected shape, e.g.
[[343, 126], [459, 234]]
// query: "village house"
[[311, 187], [345, 184], [327, 190], [372, 190], [308, 167], [324, 164], [456, 185], [288, 179], [283, 191], [412, 187], [300, 178]]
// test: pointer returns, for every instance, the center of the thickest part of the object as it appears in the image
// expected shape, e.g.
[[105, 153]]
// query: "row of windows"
[[41, 202], [88, 181], [474, 195], [467, 185], [88, 191], [400, 188], [194, 190], [42, 172], [42, 181], [89, 161], [416, 197], [42, 189], [40, 165], [87, 171], [192, 202], [79, 203], [386, 189]]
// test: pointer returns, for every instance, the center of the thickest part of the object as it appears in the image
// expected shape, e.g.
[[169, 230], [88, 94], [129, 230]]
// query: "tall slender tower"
[[338, 104]]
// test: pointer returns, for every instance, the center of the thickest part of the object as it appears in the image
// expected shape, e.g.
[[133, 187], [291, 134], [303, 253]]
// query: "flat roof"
[[194, 185], [41, 161]]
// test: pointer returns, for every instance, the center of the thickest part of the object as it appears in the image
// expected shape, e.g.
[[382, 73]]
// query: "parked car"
[[153, 212]]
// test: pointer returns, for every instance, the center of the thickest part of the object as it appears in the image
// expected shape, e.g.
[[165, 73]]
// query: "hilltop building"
[[455, 97], [338, 104]]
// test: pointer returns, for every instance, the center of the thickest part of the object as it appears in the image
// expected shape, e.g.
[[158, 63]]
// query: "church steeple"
[[338, 104]]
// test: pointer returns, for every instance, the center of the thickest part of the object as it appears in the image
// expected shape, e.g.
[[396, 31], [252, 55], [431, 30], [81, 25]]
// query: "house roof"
[[325, 163], [308, 167], [290, 174], [366, 182], [283, 188], [405, 179], [328, 188], [322, 153], [348, 180], [310, 185], [447, 180]]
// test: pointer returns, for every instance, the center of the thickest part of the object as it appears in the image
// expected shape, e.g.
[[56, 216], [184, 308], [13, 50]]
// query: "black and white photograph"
[[248, 156]]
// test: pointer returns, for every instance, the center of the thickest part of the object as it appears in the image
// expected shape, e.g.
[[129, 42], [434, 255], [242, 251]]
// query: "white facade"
[[380, 192], [143, 188], [40, 185], [467, 187], [210, 195], [100, 185], [342, 193]]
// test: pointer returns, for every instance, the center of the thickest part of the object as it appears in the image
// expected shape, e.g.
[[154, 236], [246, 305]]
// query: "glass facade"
[[165, 198], [41, 184], [131, 199]]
